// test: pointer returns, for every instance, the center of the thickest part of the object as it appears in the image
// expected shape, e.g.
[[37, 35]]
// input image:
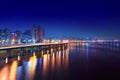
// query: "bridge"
[[25, 49], [113, 45]]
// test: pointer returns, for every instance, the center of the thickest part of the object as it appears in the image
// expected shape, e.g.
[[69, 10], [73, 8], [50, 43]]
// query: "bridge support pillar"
[[31, 50], [22, 52], [8, 53]]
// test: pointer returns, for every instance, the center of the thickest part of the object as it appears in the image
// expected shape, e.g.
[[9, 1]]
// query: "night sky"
[[63, 18]]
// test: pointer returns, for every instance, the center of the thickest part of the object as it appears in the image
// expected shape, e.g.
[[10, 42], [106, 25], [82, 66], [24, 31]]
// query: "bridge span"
[[25, 49]]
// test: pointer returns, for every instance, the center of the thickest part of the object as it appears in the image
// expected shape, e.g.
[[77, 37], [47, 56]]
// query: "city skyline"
[[35, 35], [82, 19]]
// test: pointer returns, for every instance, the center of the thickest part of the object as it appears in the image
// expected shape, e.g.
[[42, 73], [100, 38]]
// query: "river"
[[77, 62]]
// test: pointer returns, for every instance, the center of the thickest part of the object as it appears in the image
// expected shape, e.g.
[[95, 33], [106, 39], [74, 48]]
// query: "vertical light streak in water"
[[46, 62], [4, 73], [66, 58], [53, 62], [83, 48], [26, 69], [87, 45], [40, 62], [58, 60], [19, 73], [63, 57], [94, 50], [32, 66], [13, 69], [42, 53]]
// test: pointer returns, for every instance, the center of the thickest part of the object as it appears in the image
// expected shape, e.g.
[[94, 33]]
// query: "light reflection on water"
[[45, 63], [81, 61], [32, 65], [27, 68], [13, 68], [4, 73], [8, 72]]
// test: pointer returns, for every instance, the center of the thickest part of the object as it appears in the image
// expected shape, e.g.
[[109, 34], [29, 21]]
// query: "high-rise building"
[[26, 37], [37, 33], [15, 37], [4, 36]]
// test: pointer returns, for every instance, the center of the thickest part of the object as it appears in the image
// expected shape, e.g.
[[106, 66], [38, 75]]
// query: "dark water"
[[74, 63]]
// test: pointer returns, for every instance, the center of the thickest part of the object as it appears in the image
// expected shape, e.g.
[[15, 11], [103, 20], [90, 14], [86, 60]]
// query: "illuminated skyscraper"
[[37, 33], [4, 36], [15, 37], [26, 37]]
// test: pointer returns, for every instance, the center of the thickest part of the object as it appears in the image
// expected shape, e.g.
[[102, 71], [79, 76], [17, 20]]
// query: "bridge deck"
[[28, 45]]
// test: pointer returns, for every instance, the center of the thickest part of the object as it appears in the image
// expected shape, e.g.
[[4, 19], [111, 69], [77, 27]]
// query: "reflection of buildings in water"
[[51, 50], [53, 62], [41, 53], [25, 70], [65, 58], [8, 72], [72, 47], [58, 60], [32, 66], [87, 52], [46, 62], [19, 73], [4, 73], [94, 51], [13, 70], [67, 53]]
